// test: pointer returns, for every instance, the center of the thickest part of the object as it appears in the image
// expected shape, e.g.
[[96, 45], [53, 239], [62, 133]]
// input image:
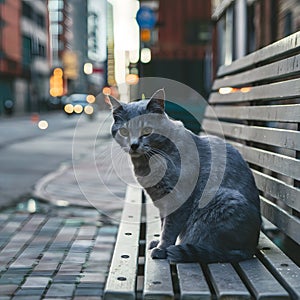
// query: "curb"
[[39, 189]]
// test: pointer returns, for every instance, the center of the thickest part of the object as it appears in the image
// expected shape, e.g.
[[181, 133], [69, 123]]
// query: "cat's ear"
[[157, 102], [112, 102]]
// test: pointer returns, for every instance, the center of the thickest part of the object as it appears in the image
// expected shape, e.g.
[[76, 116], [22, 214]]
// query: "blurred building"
[[97, 44], [110, 73], [243, 26], [123, 44], [78, 39], [24, 61], [10, 49], [60, 29], [35, 56], [179, 42]]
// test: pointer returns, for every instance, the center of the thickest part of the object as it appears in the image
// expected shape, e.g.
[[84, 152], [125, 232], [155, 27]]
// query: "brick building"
[[24, 60], [10, 48], [180, 41]]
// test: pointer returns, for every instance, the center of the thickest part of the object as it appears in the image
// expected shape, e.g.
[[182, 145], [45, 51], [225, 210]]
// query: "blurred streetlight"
[[57, 83], [132, 79], [145, 55], [88, 68], [126, 39]]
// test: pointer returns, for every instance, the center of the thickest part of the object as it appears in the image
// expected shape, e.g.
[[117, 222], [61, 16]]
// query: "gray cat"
[[204, 190]]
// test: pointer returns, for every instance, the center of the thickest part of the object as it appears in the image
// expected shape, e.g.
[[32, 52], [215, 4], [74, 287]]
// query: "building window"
[[56, 16], [55, 5], [288, 23], [26, 49], [42, 51], [56, 29], [34, 16], [40, 20], [26, 10], [251, 42], [198, 32]]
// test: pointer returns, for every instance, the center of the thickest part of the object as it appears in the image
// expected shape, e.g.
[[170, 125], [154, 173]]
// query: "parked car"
[[80, 103], [53, 103]]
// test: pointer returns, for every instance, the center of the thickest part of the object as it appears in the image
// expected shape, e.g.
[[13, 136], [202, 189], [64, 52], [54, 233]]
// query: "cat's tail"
[[198, 253]]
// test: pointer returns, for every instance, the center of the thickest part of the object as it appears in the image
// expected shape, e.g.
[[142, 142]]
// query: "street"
[[60, 247], [27, 152], [58, 240]]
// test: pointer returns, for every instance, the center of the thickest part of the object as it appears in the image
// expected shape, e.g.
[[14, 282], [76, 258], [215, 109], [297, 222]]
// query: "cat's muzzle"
[[135, 150], [134, 153]]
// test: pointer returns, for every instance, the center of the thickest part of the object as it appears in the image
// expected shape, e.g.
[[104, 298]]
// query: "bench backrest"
[[255, 105]]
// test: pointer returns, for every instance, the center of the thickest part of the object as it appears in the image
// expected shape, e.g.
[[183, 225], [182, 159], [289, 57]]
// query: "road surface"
[[27, 152]]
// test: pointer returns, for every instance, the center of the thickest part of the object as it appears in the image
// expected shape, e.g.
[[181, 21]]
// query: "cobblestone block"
[[8, 289], [26, 298], [36, 282], [30, 292], [61, 290], [89, 291]]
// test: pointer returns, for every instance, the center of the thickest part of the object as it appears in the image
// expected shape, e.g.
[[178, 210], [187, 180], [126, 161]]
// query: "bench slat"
[[192, 283], [278, 113], [272, 136], [227, 282], [278, 189], [261, 282], [285, 67], [283, 268], [279, 217], [273, 161], [272, 77], [121, 280], [273, 91], [279, 48], [158, 279]]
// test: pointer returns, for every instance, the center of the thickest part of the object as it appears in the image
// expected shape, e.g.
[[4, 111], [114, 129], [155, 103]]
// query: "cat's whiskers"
[[160, 152]]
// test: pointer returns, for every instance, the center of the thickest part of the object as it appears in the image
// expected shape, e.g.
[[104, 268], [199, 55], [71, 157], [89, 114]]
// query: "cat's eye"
[[124, 132], [146, 131]]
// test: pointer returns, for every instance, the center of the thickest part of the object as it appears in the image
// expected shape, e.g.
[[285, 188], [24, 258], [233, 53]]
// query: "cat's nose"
[[134, 146]]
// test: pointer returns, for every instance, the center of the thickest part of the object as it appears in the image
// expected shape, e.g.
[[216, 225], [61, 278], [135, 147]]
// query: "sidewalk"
[[58, 245]]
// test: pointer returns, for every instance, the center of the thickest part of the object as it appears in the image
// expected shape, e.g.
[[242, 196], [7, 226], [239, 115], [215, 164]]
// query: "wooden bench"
[[255, 105]]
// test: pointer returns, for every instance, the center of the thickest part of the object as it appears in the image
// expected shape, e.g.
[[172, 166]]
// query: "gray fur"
[[207, 198]]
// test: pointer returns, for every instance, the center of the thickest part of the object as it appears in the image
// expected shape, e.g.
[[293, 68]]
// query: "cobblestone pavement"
[[54, 253], [58, 244]]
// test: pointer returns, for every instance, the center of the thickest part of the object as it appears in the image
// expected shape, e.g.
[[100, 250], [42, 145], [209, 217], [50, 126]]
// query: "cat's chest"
[[159, 186]]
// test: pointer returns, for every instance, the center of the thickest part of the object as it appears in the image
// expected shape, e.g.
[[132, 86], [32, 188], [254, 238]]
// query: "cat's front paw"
[[153, 244], [158, 253]]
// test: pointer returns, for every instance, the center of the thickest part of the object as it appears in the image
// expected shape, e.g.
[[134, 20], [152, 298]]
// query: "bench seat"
[[255, 106], [134, 275]]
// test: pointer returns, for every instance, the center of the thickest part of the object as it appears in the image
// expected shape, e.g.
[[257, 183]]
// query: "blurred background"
[[50, 49]]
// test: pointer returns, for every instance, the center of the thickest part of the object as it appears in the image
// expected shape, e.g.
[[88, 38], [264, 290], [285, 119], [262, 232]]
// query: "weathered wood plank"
[[277, 113], [286, 222], [226, 282], [273, 161], [284, 138], [260, 281], [278, 189], [121, 280], [258, 71], [279, 48], [192, 282], [158, 278], [282, 267], [221, 8], [273, 91], [285, 67]]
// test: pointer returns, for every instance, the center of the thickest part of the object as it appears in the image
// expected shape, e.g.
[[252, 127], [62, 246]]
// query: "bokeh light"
[[43, 124]]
